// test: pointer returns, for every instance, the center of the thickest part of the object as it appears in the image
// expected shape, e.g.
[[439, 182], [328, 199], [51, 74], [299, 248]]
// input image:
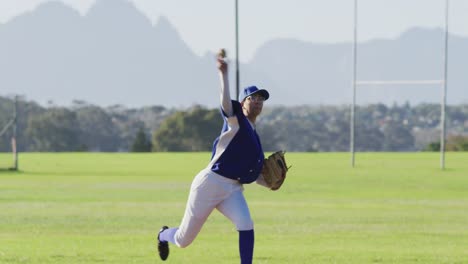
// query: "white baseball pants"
[[209, 191]]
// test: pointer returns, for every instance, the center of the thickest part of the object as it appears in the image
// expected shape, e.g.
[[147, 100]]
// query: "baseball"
[[222, 53]]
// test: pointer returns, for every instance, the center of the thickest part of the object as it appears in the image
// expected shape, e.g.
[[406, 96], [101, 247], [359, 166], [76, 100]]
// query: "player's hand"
[[221, 61]]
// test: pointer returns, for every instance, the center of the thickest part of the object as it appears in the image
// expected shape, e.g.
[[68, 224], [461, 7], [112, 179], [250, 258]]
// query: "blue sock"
[[246, 246]]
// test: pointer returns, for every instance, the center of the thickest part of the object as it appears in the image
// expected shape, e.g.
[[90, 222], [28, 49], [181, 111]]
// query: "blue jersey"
[[237, 152]]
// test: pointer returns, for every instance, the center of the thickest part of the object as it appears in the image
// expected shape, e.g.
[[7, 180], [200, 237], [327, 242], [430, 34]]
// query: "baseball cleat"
[[163, 247]]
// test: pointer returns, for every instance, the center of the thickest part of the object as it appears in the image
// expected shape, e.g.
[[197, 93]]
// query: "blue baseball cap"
[[253, 90]]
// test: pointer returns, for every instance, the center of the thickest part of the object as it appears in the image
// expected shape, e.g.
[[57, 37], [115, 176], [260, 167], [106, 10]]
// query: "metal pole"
[[353, 106], [15, 128], [444, 92], [237, 49]]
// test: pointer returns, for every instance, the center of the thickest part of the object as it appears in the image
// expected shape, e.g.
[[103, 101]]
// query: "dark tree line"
[[192, 130], [86, 127], [81, 127]]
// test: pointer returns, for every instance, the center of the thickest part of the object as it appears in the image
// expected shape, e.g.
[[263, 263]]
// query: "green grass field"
[[107, 208]]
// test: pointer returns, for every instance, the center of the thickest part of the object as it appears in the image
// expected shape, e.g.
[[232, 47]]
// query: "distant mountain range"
[[114, 55]]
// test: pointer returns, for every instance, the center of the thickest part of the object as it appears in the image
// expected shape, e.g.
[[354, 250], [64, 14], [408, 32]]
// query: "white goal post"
[[443, 83], [12, 124]]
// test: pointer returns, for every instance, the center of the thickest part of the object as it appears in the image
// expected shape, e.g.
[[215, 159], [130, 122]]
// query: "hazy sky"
[[207, 25]]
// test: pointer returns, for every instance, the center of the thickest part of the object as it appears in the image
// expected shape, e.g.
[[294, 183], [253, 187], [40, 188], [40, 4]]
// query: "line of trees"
[[86, 127], [81, 127]]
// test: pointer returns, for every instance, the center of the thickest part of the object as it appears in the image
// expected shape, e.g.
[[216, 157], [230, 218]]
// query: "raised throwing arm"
[[225, 97]]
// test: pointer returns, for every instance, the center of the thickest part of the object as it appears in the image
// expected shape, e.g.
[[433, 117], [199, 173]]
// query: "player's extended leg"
[[207, 191], [236, 209], [199, 206]]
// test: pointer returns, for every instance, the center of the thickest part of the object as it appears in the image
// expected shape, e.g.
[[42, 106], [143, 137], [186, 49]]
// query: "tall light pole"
[[237, 48], [444, 92], [353, 105], [15, 136]]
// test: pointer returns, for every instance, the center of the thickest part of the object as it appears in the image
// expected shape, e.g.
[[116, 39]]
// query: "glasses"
[[256, 98]]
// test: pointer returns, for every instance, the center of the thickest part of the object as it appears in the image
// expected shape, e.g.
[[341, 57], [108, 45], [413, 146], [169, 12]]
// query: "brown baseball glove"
[[274, 170]]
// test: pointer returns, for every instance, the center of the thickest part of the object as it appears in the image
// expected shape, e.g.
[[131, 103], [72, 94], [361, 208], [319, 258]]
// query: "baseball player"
[[237, 159]]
